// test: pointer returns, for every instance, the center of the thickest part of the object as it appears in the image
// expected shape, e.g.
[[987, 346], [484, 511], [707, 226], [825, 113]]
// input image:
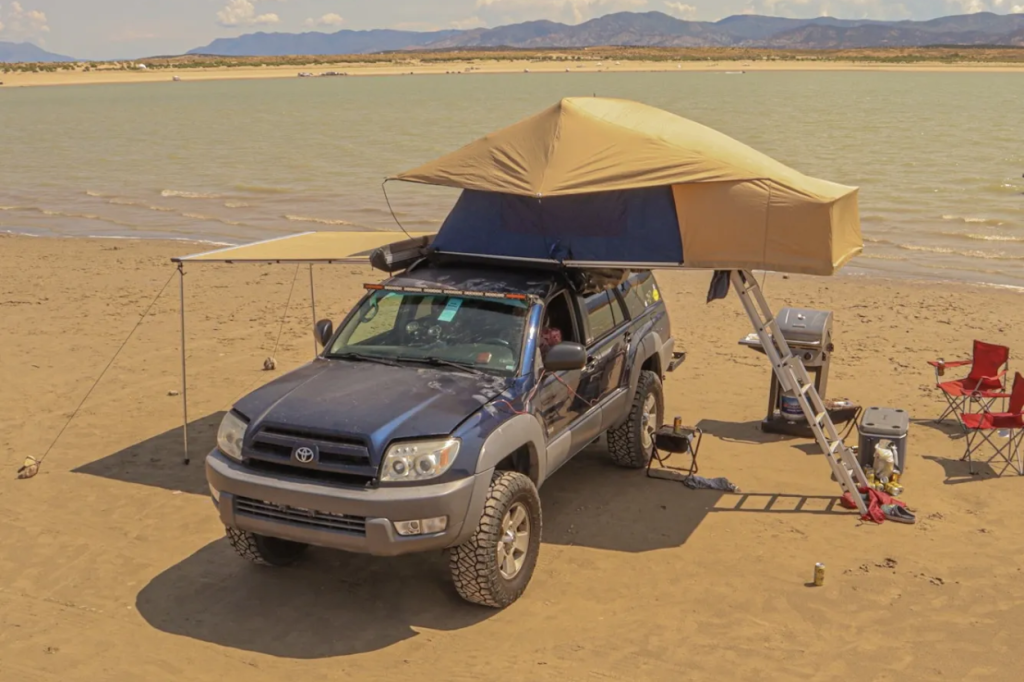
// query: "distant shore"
[[477, 67]]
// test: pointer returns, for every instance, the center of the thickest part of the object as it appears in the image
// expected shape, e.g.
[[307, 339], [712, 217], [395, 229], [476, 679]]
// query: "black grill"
[[309, 474], [344, 523], [341, 456]]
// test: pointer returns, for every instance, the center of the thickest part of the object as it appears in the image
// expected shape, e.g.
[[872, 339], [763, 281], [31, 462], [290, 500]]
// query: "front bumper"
[[350, 519]]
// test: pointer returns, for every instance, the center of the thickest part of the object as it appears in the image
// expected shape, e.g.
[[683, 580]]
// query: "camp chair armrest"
[[951, 363]]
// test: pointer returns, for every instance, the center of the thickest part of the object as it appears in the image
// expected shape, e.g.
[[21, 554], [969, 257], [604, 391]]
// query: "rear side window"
[[604, 314], [640, 292]]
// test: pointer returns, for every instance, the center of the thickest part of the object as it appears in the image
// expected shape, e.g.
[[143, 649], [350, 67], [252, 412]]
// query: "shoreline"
[[850, 271], [488, 67]]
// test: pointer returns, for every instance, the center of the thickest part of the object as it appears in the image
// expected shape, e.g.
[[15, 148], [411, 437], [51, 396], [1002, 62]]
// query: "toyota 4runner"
[[441, 404]]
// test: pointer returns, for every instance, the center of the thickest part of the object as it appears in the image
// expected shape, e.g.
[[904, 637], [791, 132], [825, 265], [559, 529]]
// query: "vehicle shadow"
[[739, 432], [750, 433], [329, 604], [159, 461], [593, 503]]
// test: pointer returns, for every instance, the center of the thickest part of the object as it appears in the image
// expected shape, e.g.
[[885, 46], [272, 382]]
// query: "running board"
[[797, 383]]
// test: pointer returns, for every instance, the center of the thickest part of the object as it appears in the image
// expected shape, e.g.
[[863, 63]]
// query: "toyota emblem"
[[304, 455]]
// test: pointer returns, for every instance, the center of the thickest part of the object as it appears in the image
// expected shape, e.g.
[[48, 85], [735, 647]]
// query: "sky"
[[112, 29]]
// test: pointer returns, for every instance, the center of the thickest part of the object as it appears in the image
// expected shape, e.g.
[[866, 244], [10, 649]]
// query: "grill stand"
[[795, 381]]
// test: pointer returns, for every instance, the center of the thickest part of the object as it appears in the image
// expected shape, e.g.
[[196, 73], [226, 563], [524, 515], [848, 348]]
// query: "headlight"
[[418, 460], [230, 435]]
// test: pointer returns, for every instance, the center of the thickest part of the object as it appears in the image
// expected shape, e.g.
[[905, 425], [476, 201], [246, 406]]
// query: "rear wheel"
[[264, 550], [495, 565], [632, 443]]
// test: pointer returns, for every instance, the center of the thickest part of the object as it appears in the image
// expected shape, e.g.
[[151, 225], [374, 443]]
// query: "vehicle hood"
[[370, 401]]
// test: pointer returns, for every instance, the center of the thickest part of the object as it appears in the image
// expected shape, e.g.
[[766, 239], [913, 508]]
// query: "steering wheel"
[[495, 341], [423, 335]]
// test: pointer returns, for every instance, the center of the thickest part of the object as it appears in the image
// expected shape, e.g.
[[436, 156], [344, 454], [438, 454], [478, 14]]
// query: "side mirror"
[[323, 331], [565, 357]]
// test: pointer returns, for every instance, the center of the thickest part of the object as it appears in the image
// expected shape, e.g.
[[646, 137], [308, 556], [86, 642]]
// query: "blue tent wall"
[[638, 225]]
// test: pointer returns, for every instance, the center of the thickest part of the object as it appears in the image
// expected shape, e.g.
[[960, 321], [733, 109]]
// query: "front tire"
[[263, 550], [632, 443], [495, 565]]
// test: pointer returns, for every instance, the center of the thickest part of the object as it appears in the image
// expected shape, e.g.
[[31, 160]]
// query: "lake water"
[[938, 157]]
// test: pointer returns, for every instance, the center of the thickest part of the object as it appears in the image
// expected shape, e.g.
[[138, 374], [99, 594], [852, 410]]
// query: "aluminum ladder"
[[797, 382]]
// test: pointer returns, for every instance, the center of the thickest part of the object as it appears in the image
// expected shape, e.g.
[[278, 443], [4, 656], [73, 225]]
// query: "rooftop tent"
[[589, 180]]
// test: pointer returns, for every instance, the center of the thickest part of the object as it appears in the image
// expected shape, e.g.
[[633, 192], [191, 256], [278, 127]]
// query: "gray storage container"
[[884, 423]]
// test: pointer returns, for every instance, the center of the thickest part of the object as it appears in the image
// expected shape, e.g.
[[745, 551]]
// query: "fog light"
[[422, 526]]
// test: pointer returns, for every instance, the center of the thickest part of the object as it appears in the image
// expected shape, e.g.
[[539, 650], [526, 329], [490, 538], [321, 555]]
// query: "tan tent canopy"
[[737, 208]]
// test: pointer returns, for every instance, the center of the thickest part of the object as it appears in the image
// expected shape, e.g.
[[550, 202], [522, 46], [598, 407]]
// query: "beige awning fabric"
[[307, 247], [737, 208]]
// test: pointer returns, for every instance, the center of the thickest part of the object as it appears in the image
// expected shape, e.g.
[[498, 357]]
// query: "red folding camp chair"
[[983, 385], [983, 427]]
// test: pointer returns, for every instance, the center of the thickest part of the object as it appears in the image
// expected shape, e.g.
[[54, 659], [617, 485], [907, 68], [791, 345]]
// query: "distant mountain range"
[[649, 29], [27, 52]]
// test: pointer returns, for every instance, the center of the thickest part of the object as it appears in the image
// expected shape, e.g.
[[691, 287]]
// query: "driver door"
[[556, 404]]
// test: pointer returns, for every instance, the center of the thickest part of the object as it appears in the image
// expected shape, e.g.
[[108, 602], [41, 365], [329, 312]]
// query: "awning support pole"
[[796, 382], [312, 300], [184, 375]]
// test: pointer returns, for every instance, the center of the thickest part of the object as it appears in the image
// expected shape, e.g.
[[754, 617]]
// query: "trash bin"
[[881, 424]]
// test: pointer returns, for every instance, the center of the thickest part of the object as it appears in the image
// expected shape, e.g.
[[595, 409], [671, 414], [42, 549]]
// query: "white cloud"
[[243, 13], [466, 24], [331, 19], [567, 10], [18, 22], [681, 9]]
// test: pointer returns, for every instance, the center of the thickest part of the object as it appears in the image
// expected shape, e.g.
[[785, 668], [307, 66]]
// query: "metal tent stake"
[[797, 382], [184, 375], [312, 301]]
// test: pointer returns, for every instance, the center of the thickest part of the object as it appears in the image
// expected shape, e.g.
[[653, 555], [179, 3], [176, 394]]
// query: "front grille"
[[341, 456], [309, 474], [311, 435], [344, 523]]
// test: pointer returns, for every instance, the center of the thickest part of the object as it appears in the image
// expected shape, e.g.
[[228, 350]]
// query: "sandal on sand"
[[894, 512]]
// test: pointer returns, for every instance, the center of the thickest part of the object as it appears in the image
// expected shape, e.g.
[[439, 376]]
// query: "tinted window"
[[602, 313], [639, 292]]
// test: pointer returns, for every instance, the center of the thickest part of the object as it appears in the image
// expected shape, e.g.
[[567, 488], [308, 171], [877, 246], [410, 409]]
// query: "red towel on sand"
[[876, 498]]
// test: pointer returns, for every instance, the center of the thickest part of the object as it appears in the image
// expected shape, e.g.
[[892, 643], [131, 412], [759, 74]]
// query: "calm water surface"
[[938, 157]]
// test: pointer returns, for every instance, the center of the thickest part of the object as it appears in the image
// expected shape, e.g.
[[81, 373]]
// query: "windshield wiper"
[[438, 362], [364, 358]]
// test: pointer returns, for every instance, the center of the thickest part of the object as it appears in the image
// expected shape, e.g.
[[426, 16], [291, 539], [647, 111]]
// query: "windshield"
[[484, 334]]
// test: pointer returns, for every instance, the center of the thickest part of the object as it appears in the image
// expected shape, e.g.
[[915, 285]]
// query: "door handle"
[[591, 362], [628, 336]]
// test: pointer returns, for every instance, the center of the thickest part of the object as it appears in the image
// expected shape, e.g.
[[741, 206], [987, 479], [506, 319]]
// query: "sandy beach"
[[113, 565], [476, 67]]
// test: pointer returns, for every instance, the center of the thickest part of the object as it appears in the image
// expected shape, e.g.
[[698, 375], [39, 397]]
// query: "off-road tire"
[[474, 564], [265, 551], [625, 442]]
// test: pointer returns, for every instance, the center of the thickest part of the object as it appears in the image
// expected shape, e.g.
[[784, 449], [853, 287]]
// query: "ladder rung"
[[805, 388], [819, 417], [833, 447]]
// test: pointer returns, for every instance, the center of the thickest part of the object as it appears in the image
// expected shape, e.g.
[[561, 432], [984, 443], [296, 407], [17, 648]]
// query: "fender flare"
[[648, 348], [519, 431]]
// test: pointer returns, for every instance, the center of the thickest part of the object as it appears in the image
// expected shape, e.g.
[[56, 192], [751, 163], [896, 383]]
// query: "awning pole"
[[312, 300], [184, 381]]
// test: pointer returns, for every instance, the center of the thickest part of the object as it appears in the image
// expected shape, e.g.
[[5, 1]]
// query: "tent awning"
[[306, 247]]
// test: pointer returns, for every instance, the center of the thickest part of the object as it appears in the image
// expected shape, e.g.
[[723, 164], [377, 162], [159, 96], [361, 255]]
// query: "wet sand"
[[113, 564], [79, 77]]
